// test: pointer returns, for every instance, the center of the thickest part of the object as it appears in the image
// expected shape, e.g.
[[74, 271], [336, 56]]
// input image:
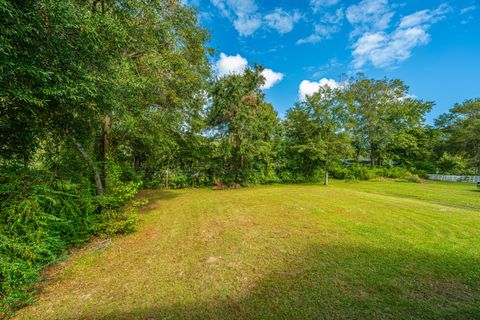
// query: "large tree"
[[317, 130], [99, 68], [244, 125], [461, 128], [383, 114]]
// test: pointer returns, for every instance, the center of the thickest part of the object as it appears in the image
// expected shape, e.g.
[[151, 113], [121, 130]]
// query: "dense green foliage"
[[245, 129], [317, 132], [41, 216], [461, 134], [101, 97]]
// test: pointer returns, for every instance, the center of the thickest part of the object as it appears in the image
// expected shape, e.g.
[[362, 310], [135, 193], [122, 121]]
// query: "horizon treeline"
[[94, 86], [99, 98]]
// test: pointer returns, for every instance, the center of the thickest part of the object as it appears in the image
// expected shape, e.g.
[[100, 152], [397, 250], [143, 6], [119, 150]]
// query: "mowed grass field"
[[370, 250]]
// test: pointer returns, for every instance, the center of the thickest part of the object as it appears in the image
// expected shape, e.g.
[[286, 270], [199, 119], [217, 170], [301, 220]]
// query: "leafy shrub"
[[41, 216], [343, 173], [124, 191], [362, 172], [453, 164], [112, 222], [178, 179], [286, 176], [410, 177], [394, 172]]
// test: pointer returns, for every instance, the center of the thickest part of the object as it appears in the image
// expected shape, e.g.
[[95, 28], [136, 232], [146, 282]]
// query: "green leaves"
[[245, 127], [315, 131], [461, 128]]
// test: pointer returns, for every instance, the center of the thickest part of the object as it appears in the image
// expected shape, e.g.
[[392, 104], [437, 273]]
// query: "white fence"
[[442, 177]]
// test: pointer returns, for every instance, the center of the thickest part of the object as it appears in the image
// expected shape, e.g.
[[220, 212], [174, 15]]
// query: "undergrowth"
[[42, 216]]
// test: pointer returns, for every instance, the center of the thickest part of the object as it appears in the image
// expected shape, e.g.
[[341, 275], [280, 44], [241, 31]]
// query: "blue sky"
[[433, 46]]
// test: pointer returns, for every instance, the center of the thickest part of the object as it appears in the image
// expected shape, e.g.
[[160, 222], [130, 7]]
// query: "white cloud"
[[246, 18], [330, 24], [386, 50], [317, 5], [424, 17], [282, 21], [415, 19], [308, 88], [369, 16], [468, 9], [321, 32], [468, 17], [335, 18], [271, 78], [247, 25], [243, 13], [313, 38], [230, 65], [237, 64], [383, 49], [319, 72]]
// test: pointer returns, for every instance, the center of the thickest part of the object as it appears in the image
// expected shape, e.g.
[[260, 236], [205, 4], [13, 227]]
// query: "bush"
[[394, 172], [410, 177], [41, 216], [286, 176], [112, 222], [453, 164], [363, 172]]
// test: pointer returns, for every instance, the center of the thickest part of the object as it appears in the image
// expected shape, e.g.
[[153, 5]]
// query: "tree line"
[[101, 97], [91, 84]]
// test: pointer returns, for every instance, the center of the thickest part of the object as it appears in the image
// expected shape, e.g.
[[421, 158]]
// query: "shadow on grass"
[[154, 198], [341, 282]]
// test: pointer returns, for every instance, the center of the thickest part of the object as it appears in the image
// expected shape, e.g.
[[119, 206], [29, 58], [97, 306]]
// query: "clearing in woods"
[[370, 250]]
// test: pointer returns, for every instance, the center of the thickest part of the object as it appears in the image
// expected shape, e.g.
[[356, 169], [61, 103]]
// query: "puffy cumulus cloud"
[[243, 13], [307, 88], [237, 64], [330, 23], [271, 78], [282, 21], [230, 65], [317, 5], [383, 50]]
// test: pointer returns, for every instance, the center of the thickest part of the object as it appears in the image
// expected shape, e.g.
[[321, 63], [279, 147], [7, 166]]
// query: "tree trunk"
[[325, 180], [107, 125], [166, 178], [372, 156], [25, 161], [477, 169], [89, 161]]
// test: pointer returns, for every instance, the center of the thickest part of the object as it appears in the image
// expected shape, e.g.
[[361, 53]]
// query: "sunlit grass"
[[370, 250]]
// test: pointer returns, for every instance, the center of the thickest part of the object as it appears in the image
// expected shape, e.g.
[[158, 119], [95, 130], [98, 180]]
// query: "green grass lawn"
[[370, 250]]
